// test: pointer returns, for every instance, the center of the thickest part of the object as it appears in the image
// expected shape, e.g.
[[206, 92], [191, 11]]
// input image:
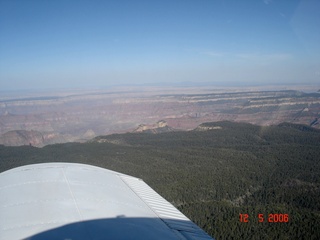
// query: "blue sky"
[[66, 43]]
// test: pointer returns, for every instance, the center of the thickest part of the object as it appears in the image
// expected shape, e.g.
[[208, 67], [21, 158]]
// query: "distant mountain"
[[32, 138], [207, 126], [160, 127], [80, 116]]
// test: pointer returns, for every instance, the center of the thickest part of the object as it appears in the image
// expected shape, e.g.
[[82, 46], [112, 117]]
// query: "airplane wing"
[[67, 201]]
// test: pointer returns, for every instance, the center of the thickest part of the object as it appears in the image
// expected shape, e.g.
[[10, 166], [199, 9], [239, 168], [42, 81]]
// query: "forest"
[[236, 181]]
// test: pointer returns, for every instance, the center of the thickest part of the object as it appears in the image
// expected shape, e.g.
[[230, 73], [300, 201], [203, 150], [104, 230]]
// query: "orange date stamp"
[[271, 218]]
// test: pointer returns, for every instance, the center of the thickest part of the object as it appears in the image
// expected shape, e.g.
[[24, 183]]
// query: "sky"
[[99, 43]]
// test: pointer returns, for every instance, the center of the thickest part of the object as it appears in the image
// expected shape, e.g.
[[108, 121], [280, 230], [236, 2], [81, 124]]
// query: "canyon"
[[41, 118]]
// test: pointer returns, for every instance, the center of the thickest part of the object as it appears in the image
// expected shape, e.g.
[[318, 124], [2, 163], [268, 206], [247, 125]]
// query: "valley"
[[78, 115]]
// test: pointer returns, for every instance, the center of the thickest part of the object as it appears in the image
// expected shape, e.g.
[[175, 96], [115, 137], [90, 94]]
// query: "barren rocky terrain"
[[41, 118]]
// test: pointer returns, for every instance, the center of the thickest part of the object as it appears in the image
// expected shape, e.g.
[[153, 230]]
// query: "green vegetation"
[[213, 176]]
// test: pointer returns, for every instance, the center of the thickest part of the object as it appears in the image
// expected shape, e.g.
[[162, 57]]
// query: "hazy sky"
[[66, 43]]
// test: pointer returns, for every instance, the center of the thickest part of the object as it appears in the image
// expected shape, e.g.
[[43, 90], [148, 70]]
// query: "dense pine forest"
[[235, 180]]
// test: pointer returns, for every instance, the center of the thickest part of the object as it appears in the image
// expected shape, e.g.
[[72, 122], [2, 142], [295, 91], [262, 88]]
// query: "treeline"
[[213, 176]]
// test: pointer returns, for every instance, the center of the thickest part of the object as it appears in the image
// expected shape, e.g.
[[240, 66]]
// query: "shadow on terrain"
[[112, 228]]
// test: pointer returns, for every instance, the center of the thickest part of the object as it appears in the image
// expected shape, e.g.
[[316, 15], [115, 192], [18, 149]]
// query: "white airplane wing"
[[67, 201]]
